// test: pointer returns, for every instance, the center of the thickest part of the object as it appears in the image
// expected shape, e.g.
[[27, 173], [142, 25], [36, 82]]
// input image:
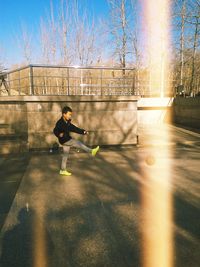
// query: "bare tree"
[[53, 33], [194, 20], [44, 42], [25, 43], [71, 37], [183, 13], [48, 37], [134, 35], [85, 41], [187, 13], [85, 36], [64, 31], [120, 28]]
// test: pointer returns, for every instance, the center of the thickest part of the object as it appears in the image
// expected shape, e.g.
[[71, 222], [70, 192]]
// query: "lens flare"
[[157, 43], [39, 234], [156, 210]]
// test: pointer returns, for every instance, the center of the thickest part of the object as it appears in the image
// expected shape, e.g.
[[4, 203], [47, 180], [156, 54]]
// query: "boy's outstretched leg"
[[94, 151], [80, 145]]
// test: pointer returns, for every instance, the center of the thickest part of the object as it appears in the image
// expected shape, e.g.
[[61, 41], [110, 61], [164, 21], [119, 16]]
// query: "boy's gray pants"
[[66, 149]]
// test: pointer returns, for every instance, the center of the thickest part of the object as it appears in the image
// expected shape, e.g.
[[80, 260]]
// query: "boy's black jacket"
[[65, 127]]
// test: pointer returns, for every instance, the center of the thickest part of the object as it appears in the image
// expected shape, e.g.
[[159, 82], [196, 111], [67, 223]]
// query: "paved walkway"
[[92, 218]]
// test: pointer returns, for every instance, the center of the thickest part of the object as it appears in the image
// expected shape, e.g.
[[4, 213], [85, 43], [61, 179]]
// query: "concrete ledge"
[[154, 110], [70, 98]]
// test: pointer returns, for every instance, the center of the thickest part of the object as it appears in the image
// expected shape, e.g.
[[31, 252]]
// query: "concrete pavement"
[[12, 168], [93, 217]]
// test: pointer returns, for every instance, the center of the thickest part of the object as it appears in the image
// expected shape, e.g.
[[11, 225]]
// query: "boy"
[[62, 132]]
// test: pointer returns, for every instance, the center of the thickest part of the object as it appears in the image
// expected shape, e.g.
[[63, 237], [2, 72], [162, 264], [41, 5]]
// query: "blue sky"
[[14, 13]]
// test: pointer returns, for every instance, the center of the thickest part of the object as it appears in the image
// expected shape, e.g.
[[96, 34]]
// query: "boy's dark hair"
[[66, 109]]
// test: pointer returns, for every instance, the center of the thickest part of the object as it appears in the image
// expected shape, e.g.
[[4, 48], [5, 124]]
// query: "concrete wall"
[[187, 111], [109, 119], [14, 115]]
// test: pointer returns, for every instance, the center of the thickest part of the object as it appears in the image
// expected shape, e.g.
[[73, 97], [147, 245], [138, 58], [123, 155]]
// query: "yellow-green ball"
[[150, 160]]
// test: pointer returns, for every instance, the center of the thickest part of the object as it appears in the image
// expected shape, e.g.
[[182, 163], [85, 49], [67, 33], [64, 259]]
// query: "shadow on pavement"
[[18, 243]]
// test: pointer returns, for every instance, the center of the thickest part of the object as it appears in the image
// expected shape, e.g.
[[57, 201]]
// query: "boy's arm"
[[77, 130]]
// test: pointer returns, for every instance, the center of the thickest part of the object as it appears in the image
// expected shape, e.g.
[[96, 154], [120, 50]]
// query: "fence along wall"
[[63, 80]]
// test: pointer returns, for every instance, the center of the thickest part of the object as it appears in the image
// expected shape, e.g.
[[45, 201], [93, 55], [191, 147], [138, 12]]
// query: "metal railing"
[[75, 80]]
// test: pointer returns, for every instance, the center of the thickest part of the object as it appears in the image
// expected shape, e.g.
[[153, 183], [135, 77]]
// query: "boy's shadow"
[[17, 243]]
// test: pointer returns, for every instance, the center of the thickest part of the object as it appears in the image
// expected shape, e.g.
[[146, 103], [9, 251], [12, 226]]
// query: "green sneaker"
[[94, 151], [65, 172]]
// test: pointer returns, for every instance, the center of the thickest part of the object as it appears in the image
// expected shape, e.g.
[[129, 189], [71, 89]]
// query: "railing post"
[[31, 80], [68, 81], [101, 81], [19, 84], [8, 78]]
